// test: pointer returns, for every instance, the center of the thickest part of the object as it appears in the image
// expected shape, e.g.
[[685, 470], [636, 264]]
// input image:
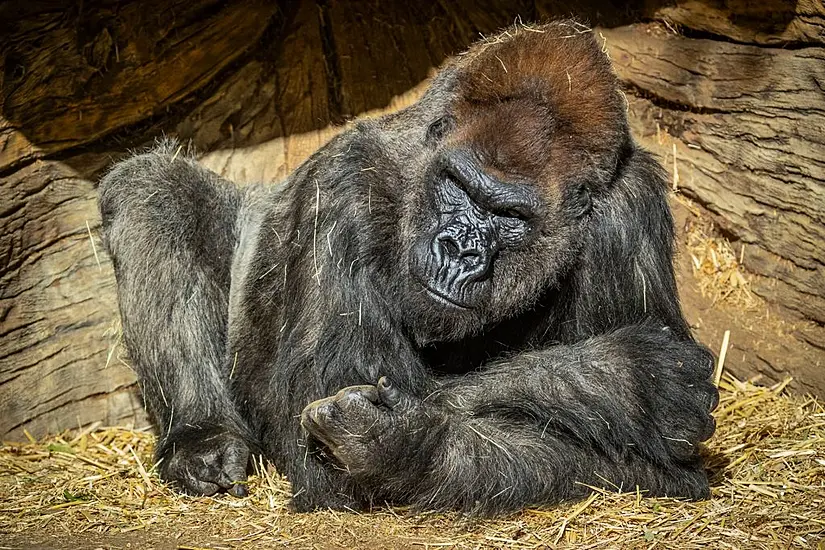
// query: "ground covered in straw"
[[96, 489]]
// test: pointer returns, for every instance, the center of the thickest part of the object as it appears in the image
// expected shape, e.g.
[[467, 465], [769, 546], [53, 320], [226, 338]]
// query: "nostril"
[[471, 257], [451, 247]]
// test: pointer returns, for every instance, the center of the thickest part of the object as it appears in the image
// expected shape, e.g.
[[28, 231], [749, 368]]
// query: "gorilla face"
[[499, 187], [486, 238], [477, 217]]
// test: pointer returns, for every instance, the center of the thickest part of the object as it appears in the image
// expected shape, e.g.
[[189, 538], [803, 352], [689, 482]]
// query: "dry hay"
[[95, 488], [718, 268], [716, 265]]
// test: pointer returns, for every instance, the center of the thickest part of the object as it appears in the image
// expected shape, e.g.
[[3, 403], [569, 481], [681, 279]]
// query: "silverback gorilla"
[[468, 304]]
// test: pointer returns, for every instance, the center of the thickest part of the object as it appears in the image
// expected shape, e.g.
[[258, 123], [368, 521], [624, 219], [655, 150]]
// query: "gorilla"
[[465, 305]]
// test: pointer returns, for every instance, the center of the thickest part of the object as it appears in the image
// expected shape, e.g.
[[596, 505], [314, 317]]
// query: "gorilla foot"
[[204, 459]]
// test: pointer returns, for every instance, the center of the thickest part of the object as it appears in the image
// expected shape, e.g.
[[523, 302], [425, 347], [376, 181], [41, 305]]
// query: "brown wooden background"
[[737, 87]]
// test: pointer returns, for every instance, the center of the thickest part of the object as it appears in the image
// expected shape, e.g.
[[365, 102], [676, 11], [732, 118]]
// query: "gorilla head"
[[525, 135]]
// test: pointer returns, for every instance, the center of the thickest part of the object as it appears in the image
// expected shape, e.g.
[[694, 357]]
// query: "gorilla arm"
[[622, 410]]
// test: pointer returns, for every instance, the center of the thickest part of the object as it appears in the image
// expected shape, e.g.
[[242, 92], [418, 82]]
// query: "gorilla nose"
[[470, 255], [458, 251]]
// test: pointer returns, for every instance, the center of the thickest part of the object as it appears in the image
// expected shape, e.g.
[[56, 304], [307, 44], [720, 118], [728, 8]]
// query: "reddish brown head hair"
[[539, 103]]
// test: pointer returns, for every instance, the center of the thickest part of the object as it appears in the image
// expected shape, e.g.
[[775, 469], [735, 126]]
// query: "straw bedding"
[[96, 488]]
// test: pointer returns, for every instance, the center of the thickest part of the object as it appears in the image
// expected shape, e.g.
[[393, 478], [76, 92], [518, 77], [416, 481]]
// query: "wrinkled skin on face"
[[477, 218], [499, 214]]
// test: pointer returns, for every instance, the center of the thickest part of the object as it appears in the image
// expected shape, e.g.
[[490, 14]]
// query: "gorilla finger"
[[706, 396], [319, 413], [355, 393], [707, 429], [236, 454], [198, 487], [232, 479], [204, 467], [389, 393], [706, 363], [239, 490], [713, 398]]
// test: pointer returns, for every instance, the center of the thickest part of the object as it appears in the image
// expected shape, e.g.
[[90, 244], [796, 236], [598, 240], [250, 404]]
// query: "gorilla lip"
[[435, 295], [420, 277]]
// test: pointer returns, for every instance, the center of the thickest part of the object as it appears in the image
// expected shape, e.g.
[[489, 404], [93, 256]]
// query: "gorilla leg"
[[169, 226]]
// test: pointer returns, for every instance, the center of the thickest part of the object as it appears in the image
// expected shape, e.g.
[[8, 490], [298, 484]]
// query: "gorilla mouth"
[[438, 295], [443, 299]]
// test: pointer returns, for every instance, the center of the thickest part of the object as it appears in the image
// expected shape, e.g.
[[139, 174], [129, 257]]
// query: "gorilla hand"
[[374, 430], [682, 396], [203, 459]]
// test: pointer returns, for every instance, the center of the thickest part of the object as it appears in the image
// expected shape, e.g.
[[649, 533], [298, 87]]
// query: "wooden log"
[[769, 22], [748, 123], [281, 92], [765, 343], [73, 76], [59, 361]]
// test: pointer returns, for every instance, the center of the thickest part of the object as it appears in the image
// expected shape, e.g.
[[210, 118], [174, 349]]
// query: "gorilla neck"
[[529, 329]]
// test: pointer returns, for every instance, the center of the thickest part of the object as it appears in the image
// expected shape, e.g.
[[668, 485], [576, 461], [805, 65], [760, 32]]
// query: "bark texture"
[[738, 89]]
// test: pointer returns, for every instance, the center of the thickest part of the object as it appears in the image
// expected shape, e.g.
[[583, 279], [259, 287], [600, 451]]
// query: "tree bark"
[[749, 123], [73, 76], [745, 123], [61, 366]]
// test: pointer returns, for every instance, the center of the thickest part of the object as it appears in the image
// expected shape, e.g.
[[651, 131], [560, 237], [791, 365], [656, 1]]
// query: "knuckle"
[[327, 412], [705, 362]]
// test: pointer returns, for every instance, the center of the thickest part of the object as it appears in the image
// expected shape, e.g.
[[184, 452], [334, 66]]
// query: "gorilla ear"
[[580, 200]]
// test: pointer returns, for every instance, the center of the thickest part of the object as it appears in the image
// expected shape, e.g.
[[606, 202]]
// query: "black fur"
[[289, 321]]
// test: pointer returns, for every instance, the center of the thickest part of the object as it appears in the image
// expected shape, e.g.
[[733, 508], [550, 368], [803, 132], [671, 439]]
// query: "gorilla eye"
[[438, 129], [511, 213]]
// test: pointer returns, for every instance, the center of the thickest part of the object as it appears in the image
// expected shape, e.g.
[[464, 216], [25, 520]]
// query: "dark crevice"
[[16, 166], [801, 335], [669, 104], [202, 17], [14, 208], [21, 328], [333, 69], [698, 34], [707, 206], [21, 368]]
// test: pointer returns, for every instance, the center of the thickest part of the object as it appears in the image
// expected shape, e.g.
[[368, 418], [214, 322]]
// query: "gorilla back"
[[468, 304]]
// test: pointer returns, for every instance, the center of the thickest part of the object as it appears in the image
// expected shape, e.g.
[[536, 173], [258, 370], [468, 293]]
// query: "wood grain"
[[75, 75], [768, 22], [60, 365], [748, 121]]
